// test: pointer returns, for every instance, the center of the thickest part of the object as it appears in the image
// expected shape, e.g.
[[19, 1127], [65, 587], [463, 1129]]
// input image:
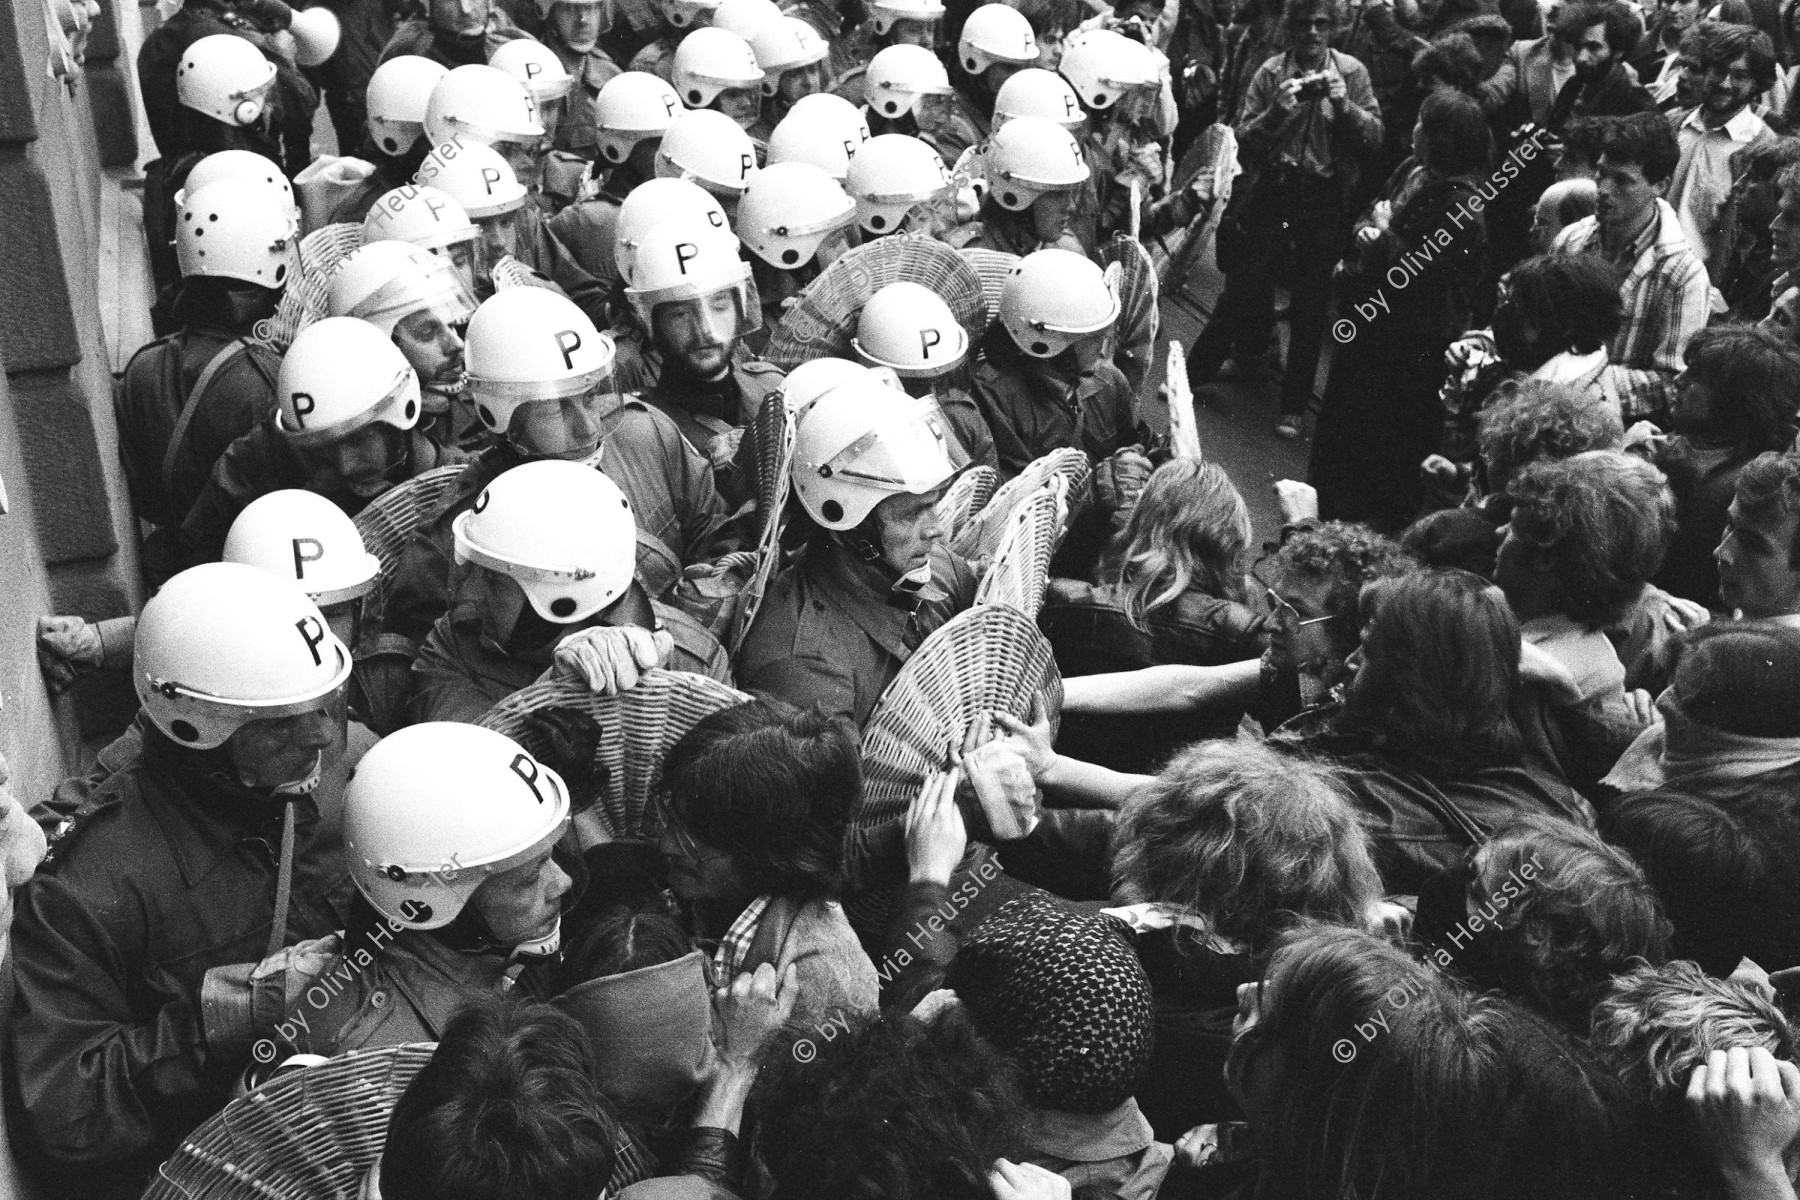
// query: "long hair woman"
[[1173, 591], [1425, 733]]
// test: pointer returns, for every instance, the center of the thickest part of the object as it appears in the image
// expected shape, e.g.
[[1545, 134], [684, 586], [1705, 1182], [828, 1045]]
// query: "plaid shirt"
[[1667, 299], [734, 948]]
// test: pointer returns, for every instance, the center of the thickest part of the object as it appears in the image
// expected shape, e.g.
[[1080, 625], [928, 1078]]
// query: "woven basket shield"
[[966, 497], [637, 727], [1132, 343], [1020, 572], [392, 518], [982, 536], [989, 658], [308, 295], [308, 1134], [509, 272], [823, 318], [993, 266], [774, 466]]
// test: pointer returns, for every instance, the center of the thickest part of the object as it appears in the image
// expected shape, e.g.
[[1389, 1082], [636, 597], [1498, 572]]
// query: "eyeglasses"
[[1279, 604]]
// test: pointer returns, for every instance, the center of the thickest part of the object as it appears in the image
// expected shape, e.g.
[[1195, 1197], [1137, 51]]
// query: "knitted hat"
[[1064, 995]]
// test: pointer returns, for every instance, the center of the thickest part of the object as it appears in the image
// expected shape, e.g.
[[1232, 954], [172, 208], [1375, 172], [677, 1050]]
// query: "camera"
[[1312, 86]]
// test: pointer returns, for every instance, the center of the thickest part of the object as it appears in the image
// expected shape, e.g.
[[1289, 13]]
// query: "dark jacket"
[[155, 388], [827, 633], [1032, 406], [1090, 632], [459, 673], [168, 870], [670, 487]]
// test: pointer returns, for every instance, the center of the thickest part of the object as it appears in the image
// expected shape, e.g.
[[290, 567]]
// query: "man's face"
[[1784, 317], [1310, 33], [567, 428], [434, 350], [701, 333], [910, 528], [1593, 57], [526, 159], [802, 81], [1692, 409], [283, 750], [1755, 575], [1728, 88], [1690, 80], [907, 32], [576, 25], [499, 238], [1784, 230], [1679, 15], [458, 18], [1624, 195], [1050, 214], [743, 105], [523, 904], [358, 463]]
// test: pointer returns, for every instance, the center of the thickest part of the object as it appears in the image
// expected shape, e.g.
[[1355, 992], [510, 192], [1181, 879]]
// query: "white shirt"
[[1702, 178]]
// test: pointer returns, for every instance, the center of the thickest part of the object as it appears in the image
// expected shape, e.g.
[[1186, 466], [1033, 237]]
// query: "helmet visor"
[[913, 452], [567, 427], [404, 388], [437, 289], [718, 314]]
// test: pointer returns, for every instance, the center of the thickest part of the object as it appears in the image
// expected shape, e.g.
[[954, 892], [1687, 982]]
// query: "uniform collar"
[[863, 592]]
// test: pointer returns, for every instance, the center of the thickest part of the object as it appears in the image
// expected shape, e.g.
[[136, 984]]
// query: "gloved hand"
[[567, 740], [1120, 480], [68, 648], [611, 659]]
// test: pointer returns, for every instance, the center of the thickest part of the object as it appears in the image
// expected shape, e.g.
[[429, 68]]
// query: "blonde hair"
[[1189, 530]]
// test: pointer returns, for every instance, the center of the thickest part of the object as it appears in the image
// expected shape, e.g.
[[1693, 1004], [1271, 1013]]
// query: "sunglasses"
[[1280, 604]]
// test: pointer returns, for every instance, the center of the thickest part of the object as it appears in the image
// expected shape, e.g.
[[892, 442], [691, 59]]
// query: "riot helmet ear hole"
[[831, 510], [562, 606], [184, 731]]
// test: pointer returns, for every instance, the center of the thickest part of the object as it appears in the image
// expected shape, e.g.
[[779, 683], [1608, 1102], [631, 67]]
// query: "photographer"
[[1309, 119]]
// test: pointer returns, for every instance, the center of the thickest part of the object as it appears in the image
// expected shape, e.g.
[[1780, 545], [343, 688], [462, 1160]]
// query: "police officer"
[[695, 299], [205, 849], [1125, 90], [795, 220], [566, 111], [908, 329], [483, 105], [893, 178], [454, 32], [418, 300], [483, 183], [185, 398], [820, 129], [345, 426], [792, 57], [393, 139], [1042, 383], [678, 18], [870, 465], [630, 115], [995, 44], [573, 30], [716, 69], [451, 833], [1036, 177], [430, 219], [540, 377], [544, 586]]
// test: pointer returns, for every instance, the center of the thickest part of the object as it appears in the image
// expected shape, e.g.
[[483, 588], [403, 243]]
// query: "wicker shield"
[[989, 658], [823, 318], [1133, 338], [637, 727], [307, 298], [993, 266], [391, 518], [509, 272], [966, 497], [1020, 571], [774, 432], [307, 1134], [982, 535]]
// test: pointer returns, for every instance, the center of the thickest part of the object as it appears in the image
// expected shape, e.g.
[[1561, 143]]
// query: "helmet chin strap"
[[548, 946], [908, 590]]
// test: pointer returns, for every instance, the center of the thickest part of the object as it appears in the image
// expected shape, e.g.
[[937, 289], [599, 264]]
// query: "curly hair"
[[1624, 29], [1569, 301], [773, 786], [1249, 840], [507, 1106], [1584, 140], [1601, 521], [1721, 43], [1585, 913], [893, 1109], [1752, 378], [1393, 1080], [1645, 140], [1451, 59], [1341, 554], [1542, 421], [1189, 529]]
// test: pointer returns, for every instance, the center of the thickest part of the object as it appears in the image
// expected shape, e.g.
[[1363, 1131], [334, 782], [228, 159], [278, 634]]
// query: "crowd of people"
[[1444, 846]]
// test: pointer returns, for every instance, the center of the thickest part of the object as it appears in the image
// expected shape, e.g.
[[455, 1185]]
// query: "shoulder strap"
[[207, 374]]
